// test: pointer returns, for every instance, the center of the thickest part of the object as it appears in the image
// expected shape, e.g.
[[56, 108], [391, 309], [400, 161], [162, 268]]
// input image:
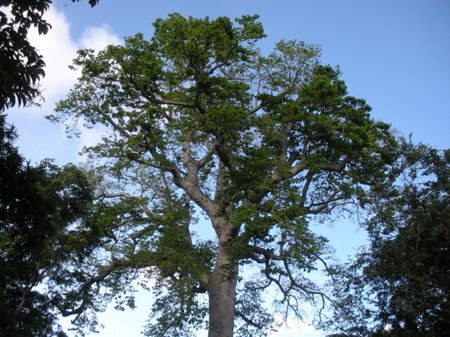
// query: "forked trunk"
[[222, 296]]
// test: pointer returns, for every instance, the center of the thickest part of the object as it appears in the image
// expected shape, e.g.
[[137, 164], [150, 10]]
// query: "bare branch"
[[305, 189], [291, 285], [87, 285], [121, 195], [206, 158], [23, 300], [248, 320], [166, 101], [255, 109], [326, 205]]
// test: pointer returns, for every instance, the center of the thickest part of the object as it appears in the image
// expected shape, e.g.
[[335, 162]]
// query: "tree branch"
[[248, 320], [267, 253], [162, 101], [292, 284], [191, 183], [319, 207], [87, 285], [225, 62], [23, 299], [223, 154], [206, 158]]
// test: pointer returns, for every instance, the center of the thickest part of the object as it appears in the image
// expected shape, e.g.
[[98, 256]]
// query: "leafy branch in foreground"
[[21, 64]]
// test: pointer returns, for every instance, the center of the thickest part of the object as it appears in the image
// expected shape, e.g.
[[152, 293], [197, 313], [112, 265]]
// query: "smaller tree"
[[37, 205], [400, 286]]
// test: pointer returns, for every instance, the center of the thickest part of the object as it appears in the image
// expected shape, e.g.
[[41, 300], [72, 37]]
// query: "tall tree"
[[37, 207], [202, 125], [400, 285], [21, 65]]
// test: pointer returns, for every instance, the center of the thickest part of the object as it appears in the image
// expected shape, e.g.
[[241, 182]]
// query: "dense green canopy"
[[38, 204], [217, 159], [208, 134], [400, 284]]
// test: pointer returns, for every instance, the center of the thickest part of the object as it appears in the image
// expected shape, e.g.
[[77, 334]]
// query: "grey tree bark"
[[222, 295]]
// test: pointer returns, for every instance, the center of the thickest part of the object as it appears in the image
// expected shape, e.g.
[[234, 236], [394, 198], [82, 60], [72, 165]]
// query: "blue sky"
[[394, 54]]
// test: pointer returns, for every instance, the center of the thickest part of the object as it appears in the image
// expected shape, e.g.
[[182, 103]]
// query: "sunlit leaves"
[[203, 124]]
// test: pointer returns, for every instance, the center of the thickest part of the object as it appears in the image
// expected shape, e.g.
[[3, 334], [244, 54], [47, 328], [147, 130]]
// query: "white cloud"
[[39, 139], [293, 328], [98, 38], [59, 49]]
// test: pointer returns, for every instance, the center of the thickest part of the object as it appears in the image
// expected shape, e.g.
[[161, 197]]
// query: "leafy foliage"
[[202, 124], [37, 205], [21, 65], [400, 285]]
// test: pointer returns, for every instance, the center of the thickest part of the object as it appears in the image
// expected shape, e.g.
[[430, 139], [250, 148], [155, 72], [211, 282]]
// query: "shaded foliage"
[[37, 205], [400, 285]]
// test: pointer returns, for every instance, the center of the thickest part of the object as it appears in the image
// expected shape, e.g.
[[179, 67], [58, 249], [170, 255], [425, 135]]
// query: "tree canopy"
[[38, 204], [207, 133], [400, 284]]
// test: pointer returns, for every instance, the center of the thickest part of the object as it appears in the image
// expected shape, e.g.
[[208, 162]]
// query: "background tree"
[[202, 125], [21, 65], [37, 206], [400, 285]]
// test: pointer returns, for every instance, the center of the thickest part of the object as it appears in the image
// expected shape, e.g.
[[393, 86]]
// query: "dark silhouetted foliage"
[[21, 65], [400, 285], [37, 206]]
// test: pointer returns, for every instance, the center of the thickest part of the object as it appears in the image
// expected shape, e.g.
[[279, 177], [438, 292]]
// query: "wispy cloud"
[[293, 328], [99, 37]]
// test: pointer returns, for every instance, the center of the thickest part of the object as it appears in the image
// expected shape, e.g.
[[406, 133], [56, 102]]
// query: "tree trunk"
[[222, 295]]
